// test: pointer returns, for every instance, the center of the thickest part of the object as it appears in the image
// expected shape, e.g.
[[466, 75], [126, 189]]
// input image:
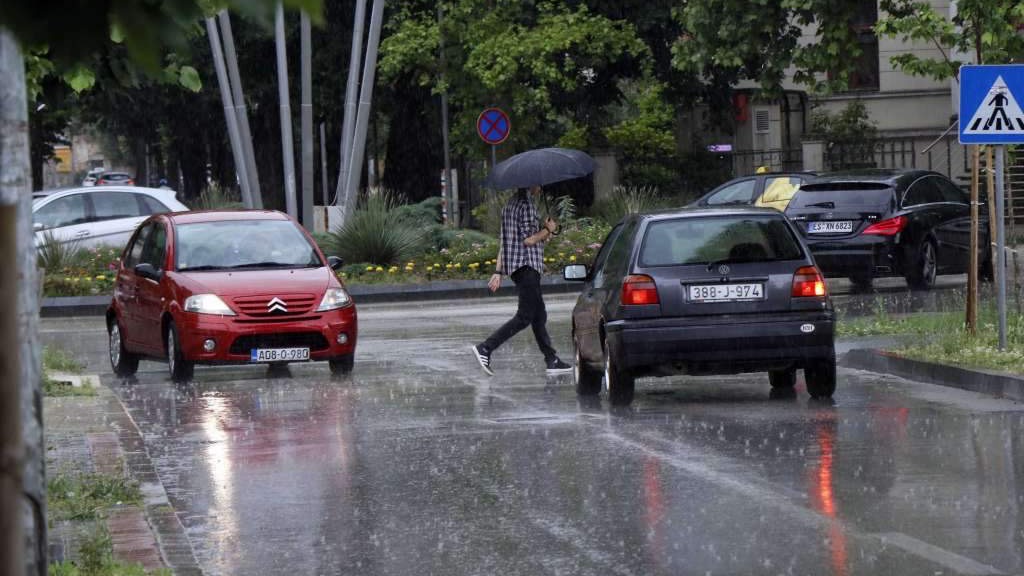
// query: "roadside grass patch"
[[84, 496], [96, 558], [56, 389], [943, 338], [60, 361]]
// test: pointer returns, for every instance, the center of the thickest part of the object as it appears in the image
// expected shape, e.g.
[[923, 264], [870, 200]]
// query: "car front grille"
[[313, 340], [261, 307]]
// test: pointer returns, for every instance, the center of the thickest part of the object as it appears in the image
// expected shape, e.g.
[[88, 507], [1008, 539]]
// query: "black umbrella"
[[539, 167]]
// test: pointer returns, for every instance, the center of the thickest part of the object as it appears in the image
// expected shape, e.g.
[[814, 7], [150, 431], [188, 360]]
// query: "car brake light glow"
[[889, 227], [808, 282], [639, 290]]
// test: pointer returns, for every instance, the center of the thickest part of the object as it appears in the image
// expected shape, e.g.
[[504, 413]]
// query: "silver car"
[[97, 216]]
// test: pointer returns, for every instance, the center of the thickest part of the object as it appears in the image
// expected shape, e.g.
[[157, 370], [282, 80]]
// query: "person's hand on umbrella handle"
[[552, 225], [495, 282]]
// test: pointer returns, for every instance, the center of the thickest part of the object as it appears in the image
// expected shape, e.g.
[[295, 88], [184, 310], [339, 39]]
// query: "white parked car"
[[98, 216]]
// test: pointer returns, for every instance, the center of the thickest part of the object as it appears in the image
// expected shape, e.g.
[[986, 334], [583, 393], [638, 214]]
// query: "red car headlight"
[[333, 299], [207, 304]]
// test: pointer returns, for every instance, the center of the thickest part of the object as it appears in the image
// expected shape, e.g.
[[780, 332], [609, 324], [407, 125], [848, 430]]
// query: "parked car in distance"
[[92, 176], [772, 189], [702, 291], [228, 287], [115, 178], [94, 216], [868, 224]]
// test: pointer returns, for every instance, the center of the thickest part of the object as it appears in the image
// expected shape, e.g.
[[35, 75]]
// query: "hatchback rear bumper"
[[864, 256], [709, 346]]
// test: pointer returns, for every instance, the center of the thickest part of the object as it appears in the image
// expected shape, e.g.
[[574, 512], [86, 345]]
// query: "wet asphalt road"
[[420, 464]]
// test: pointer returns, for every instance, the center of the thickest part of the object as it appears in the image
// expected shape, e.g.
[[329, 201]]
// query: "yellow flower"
[[457, 265], [392, 270], [101, 277], [369, 268], [448, 266], [572, 258], [474, 265], [380, 268]]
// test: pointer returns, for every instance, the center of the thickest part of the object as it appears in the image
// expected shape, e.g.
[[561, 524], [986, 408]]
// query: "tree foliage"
[[732, 40], [985, 31]]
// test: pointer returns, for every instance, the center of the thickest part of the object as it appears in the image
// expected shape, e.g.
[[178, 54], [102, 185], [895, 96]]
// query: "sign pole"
[[972, 271], [494, 156], [1000, 247]]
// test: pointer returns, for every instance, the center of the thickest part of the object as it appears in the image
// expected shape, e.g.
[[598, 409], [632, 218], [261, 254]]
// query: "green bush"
[[216, 198], [627, 200], [53, 256], [377, 234], [488, 213]]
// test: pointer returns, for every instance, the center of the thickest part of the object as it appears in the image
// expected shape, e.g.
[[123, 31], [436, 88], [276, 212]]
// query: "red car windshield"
[[239, 244]]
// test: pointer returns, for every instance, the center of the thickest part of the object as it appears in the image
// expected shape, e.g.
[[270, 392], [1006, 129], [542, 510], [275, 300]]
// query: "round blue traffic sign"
[[493, 126]]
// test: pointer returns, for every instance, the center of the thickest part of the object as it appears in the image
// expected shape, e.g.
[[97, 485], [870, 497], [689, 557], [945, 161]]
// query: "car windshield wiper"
[[200, 268], [270, 264]]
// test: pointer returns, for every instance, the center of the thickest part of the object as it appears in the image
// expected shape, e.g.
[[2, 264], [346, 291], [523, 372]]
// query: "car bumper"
[[234, 337], [706, 346], [864, 256]]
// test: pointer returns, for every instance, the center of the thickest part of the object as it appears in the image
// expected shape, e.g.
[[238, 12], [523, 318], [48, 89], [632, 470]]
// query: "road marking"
[[961, 564]]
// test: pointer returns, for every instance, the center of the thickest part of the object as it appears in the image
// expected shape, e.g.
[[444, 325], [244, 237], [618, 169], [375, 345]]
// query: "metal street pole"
[[363, 114], [990, 184], [323, 162], [971, 321], [229, 112], [287, 142], [449, 189], [14, 182], [352, 85], [306, 126], [1000, 247], [241, 111]]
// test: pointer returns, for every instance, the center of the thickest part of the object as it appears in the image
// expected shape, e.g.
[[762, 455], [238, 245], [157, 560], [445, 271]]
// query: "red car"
[[228, 287]]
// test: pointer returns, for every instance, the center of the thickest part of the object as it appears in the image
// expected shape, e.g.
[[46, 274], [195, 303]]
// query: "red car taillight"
[[890, 227], [639, 290], [807, 281]]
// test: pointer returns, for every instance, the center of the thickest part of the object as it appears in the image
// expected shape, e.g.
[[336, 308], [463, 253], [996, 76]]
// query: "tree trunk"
[[22, 473]]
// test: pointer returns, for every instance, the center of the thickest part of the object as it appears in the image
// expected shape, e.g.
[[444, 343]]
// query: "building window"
[[864, 74]]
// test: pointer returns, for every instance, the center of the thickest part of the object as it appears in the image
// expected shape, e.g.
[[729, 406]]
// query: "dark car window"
[[951, 192], [65, 211], [133, 255], [741, 238], [741, 192], [923, 191], [156, 247], [602, 254], [618, 254], [113, 205], [150, 205]]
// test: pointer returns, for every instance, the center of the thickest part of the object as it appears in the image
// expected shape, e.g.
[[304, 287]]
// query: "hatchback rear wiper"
[[829, 205]]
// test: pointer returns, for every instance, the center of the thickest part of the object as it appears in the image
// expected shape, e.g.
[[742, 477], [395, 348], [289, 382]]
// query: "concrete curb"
[[60, 307], [995, 384]]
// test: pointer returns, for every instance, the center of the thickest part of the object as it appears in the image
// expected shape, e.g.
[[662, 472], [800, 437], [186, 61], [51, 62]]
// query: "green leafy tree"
[[986, 30], [726, 41]]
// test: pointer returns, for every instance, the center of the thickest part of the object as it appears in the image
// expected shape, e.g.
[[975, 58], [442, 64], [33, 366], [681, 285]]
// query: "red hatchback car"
[[228, 287]]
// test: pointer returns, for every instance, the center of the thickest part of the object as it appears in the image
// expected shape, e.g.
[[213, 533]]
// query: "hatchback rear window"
[[719, 239], [840, 194]]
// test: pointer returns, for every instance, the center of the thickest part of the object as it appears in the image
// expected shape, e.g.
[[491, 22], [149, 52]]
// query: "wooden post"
[[971, 322]]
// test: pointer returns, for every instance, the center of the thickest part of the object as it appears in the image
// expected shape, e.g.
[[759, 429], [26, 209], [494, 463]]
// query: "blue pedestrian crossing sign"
[[990, 104]]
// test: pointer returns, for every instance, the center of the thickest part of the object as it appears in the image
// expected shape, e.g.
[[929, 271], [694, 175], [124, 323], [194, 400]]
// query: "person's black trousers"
[[531, 312]]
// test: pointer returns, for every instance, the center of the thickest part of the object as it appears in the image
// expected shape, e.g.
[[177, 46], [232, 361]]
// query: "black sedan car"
[[772, 189], [868, 224], [702, 291]]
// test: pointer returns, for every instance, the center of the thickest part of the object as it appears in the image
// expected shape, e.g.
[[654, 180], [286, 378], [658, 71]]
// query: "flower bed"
[[90, 273], [466, 258]]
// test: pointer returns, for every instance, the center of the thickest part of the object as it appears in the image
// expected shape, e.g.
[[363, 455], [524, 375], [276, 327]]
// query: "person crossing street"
[[521, 257]]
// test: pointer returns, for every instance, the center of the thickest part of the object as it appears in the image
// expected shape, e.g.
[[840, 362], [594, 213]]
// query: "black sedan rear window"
[[718, 239]]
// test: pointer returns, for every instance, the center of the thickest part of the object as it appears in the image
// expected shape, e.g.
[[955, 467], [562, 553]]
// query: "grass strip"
[[84, 496]]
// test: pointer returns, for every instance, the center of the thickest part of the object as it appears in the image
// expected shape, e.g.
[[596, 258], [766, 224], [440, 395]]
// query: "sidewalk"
[[94, 434]]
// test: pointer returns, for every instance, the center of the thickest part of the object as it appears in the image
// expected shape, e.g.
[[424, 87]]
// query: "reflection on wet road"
[[420, 464]]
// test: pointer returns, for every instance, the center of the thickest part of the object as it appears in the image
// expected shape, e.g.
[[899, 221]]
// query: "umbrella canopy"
[[539, 167]]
